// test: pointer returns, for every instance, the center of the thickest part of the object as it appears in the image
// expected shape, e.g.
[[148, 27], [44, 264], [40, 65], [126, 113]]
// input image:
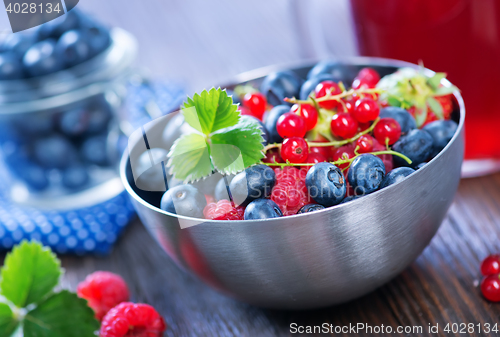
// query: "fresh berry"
[[73, 48], [315, 158], [75, 177], [308, 113], [98, 37], [344, 125], [344, 152], [10, 66], [366, 173], [41, 59], [270, 121], [402, 116], [441, 132], [256, 102], [291, 125], [290, 192], [396, 175], [365, 144], [349, 104], [132, 320], [366, 110], [490, 287], [295, 150], [103, 291], [387, 131], [310, 208], [184, 200], [94, 150], [54, 151], [308, 87], [490, 265], [255, 182], [326, 184], [244, 111], [325, 151], [262, 209], [386, 158], [367, 77], [223, 210], [273, 156], [278, 85], [337, 70], [416, 145], [446, 103], [327, 88], [221, 188]]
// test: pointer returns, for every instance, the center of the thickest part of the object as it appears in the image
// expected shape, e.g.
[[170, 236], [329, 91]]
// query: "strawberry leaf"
[[189, 158], [237, 147], [435, 107], [30, 272], [443, 91], [435, 80], [61, 315], [8, 323], [214, 110]]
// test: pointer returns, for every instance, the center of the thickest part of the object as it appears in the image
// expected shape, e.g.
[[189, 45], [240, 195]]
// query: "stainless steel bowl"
[[317, 259]]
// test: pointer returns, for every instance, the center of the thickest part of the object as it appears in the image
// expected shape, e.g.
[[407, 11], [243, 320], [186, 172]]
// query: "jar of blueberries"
[[61, 85]]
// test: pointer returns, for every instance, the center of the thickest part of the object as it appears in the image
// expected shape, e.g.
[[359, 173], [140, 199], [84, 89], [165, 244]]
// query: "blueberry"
[[98, 38], [255, 182], [41, 59], [339, 71], [94, 150], [270, 120], [326, 184], [54, 152], [38, 124], [236, 99], [221, 188], [207, 185], [441, 132], [33, 176], [265, 133], [18, 43], [72, 48], [10, 66], [278, 85], [74, 122], [184, 200], [416, 145], [149, 175], [75, 177], [99, 116], [403, 117], [350, 198], [366, 173], [311, 84], [262, 209], [310, 208], [396, 175], [55, 28], [419, 166]]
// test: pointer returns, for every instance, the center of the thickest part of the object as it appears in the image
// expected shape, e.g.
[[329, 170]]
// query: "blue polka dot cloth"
[[90, 230]]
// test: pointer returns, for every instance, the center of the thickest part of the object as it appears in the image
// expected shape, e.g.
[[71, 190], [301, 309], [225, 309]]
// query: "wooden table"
[[201, 43]]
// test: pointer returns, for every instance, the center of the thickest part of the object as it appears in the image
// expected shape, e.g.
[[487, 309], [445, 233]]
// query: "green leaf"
[[61, 315], [435, 80], [435, 107], [214, 110], [8, 323], [443, 91], [189, 158], [238, 147], [421, 115], [393, 101], [30, 272]]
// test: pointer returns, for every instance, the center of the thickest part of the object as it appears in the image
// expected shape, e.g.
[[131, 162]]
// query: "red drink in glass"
[[459, 37]]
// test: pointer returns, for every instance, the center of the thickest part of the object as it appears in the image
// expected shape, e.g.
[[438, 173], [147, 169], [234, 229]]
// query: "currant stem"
[[338, 97]]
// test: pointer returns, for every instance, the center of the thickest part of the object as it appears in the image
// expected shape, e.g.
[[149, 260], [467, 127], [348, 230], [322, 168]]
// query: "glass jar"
[[59, 132]]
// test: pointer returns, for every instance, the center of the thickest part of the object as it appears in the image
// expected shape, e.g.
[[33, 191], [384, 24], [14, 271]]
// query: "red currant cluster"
[[490, 286], [254, 104]]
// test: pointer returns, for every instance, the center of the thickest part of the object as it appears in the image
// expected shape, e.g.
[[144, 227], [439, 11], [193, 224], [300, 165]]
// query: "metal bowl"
[[315, 259]]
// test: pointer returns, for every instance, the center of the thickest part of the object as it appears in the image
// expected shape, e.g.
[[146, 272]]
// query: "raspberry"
[[132, 320], [223, 210], [290, 192], [103, 290]]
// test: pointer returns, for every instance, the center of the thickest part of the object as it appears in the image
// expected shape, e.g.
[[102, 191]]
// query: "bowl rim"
[[261, 72]]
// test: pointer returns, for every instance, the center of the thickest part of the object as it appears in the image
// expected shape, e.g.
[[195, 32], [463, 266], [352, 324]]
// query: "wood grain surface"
[[200, 43]]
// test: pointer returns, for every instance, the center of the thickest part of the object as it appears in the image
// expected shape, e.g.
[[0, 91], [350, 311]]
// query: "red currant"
[[323, 89], [322, 150], [308, 112], [273, 156], [366, 110], [256, 102], [365, 144], [349, 105], [343, 152], [490, 265], [344, 125], [315, 158], [387, 130], [291, 125], [295, 150], [367, 77], [490, 287]]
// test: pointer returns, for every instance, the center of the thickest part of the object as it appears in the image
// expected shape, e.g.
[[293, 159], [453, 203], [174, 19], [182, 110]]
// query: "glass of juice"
[[459, 37]]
